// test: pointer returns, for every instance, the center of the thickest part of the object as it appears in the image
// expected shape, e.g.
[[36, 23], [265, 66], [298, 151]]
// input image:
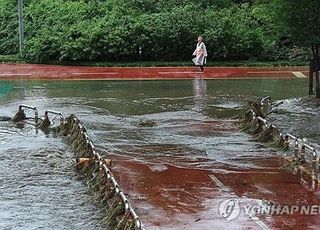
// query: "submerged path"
[[38, 187], [54, 72], [176, 173], [182, 183]]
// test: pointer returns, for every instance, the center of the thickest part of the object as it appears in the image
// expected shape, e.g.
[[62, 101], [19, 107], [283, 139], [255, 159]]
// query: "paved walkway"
[[54, 72]]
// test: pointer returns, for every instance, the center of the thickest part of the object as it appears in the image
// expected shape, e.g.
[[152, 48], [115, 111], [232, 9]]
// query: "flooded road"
[[39, 188], [176, 172]]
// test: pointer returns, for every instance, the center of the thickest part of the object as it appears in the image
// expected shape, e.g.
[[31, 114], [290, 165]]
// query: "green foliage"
[[166, 30], [8, 27], [303, 25], [172, 34], [233, 34], [301, 21]]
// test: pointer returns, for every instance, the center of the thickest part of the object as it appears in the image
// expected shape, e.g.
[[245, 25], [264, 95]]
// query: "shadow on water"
[[166, 167]]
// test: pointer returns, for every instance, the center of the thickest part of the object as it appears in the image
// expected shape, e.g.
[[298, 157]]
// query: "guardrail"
[[300, 155], [32, 108], [100, 163], [267, 98], [300, 147], [75, 129], [47, 112]]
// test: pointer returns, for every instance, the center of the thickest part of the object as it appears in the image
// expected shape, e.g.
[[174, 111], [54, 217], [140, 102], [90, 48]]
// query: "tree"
[[301, 22], [164, 30], [8, 27]]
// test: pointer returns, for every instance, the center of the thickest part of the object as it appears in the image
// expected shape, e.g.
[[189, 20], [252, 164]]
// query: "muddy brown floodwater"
[[177, 172]]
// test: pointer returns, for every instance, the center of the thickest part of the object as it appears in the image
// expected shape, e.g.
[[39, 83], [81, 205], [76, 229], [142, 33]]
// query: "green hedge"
[[166, 30]]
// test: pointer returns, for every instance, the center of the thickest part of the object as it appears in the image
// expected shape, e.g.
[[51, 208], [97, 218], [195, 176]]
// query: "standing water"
[[176, 152]]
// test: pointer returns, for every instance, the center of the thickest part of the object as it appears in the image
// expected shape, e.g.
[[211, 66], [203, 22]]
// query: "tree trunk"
[[317, 72], [311, 71]]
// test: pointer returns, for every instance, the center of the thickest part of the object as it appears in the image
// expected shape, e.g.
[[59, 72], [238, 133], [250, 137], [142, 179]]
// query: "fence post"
[[303, 154], [296, 149]]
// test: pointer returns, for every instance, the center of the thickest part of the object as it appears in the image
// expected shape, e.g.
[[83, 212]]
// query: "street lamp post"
[[21, 26]]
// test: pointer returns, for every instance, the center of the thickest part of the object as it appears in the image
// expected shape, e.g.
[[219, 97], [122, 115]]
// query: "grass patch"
[[14, 58]]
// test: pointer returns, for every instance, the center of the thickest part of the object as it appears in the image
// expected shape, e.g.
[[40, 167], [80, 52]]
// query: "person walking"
[[200, 53]]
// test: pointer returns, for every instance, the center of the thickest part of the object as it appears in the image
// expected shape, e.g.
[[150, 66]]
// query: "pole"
[[317, 72], [21, 26]]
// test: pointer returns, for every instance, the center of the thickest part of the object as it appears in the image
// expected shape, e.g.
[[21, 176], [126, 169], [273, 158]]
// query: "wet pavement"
[[177, 172], [56, 72]]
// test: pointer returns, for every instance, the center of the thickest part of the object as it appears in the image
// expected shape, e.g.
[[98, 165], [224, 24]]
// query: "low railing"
[[301, 155], [99, 161], [300, 147], [47, 112], [268, 98], [36, 116]]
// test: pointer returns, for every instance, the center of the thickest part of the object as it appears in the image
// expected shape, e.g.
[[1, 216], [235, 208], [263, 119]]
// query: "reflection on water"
[[200, 92], [194, 136]]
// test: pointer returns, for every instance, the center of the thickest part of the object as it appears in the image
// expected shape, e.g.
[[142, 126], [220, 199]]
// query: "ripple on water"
[[39, 188], [42, 192], [299, 116]]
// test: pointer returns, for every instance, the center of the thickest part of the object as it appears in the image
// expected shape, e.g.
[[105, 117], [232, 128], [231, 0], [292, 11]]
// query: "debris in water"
[[146, 123], [45, 124], [3, 118], [20, 116]]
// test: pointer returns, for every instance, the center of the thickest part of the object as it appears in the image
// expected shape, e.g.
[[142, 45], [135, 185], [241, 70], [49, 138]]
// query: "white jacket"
[[200, 53]]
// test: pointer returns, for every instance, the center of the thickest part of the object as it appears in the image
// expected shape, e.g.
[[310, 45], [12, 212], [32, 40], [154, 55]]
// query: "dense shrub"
[[113, 30], [9, 37], [232, 33]]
